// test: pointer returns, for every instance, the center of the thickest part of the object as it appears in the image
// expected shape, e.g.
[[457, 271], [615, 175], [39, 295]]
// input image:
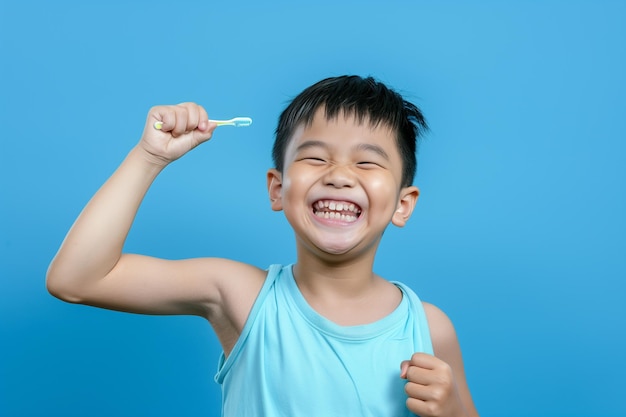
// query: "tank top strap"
[[225, 363], [422, 337]]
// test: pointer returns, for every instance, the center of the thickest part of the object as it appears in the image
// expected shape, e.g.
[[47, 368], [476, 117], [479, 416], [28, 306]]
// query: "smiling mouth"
[[337, 210]]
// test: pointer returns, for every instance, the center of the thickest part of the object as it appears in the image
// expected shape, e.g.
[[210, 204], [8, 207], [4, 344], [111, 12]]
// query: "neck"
[[347, 292], [337, 278]]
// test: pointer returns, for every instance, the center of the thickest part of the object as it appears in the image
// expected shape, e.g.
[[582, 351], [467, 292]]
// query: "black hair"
[[363, 98]]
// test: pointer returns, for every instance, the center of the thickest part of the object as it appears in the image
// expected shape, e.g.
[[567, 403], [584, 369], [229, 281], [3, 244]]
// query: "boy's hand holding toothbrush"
[[183, 127], [172, 131]]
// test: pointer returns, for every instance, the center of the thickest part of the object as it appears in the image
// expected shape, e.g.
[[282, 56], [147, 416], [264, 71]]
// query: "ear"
[[406, 204], [275, 188]]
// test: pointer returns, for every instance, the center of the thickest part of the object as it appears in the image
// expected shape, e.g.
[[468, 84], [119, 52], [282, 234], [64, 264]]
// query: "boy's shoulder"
[[442, 332]]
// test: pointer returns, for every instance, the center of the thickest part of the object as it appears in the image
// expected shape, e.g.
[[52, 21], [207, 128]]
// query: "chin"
[[341, 251], [336, 251], [336, 248]]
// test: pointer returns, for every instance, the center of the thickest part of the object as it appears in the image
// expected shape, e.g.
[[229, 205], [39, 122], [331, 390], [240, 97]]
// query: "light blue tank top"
[[290, 361]]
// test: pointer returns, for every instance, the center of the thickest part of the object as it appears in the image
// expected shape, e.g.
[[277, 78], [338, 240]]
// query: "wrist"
[[150, 161]]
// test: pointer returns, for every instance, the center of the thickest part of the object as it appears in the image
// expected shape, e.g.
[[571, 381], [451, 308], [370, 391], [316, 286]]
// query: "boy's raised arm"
[[89, 267]]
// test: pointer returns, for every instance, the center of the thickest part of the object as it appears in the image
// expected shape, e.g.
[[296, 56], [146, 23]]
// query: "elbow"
[[62, 294], [61, 289]]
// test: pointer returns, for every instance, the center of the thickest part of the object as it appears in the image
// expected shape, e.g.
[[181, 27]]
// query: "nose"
[[339, 176]]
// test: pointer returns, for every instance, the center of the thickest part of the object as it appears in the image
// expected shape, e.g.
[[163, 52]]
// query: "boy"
[[325, 336]]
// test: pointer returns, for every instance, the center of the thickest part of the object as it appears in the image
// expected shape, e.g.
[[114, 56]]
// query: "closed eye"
[[368, 164], [313, 160]]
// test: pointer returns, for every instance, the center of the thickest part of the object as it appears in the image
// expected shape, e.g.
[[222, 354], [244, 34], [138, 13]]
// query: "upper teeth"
[[337, 205]]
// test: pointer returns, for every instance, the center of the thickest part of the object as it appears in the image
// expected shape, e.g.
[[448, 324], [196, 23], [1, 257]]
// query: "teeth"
[[336, 216], [344, 211], [336, 206]]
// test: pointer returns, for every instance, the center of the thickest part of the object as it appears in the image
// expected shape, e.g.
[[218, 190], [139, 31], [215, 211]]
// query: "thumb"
[[404, 367], [204, 131]]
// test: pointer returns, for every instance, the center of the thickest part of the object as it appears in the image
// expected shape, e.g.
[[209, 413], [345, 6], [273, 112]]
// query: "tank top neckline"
[[356, 332]]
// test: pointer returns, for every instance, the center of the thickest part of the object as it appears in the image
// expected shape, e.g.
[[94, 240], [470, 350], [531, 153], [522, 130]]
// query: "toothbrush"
[[235, 121]]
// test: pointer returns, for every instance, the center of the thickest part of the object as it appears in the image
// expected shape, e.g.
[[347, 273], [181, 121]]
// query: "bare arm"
[[447, 348], [90, 268]]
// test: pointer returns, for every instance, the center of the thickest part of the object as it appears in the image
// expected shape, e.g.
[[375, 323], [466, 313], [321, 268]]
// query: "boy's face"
[[341, 185]]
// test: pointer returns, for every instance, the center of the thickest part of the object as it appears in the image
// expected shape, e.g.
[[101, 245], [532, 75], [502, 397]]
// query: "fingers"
[[426, 369], [427, 385], [180, 119], [424, 360], [404, 367], [437, 399], [430, 385], [420, 360], [172, 131]]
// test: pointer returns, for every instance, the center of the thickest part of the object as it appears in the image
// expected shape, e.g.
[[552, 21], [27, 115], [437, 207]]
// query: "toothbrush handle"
[[158, 125]]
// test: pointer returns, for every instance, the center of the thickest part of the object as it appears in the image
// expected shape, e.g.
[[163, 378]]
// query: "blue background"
[[519, 234]]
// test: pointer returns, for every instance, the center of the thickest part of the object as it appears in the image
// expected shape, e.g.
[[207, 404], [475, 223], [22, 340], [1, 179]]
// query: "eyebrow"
[[373, 148], [368, 147], [311, 144]]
